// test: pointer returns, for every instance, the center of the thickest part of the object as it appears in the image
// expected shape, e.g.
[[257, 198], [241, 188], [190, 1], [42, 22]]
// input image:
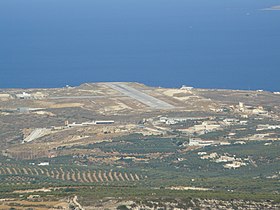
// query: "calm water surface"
[[202, 43]]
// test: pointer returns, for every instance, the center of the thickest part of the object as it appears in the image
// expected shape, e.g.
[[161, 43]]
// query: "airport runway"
[[144, 98]]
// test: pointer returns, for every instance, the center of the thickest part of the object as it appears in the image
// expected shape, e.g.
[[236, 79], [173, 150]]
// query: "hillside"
[[137, 145]]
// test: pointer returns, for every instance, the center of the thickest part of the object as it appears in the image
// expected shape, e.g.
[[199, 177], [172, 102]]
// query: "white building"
[[104, 122], [200, 142], [44, 164], [23, 95], [184, 87]]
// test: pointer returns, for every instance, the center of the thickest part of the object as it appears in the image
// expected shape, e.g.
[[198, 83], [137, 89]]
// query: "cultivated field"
[[28, 174]]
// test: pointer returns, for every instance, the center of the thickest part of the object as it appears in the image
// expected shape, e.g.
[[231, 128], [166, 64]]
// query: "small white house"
[[44, 164], [184, 87]]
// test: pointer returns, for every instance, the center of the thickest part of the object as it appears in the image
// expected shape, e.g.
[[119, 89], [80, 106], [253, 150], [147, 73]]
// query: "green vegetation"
[[167, 164]]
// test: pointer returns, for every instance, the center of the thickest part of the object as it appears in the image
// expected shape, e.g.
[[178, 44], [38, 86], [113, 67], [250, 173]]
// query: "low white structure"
[[243, 122], [200, 142], [224, 159], [230, 121], [172, 121], [239, 142], [44, 164], [210, 156], [267, 127], [204, 127], [224, 143], [207, 126], [38, 95], [163, 119], [259, 111], [74, 124], [105, 122], [202, 153], [175, 120], [184, 87], [23, 95], [234, 164], [98, 122]]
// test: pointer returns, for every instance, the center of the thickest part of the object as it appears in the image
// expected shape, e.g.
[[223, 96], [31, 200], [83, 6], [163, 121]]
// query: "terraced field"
[[27, 174]]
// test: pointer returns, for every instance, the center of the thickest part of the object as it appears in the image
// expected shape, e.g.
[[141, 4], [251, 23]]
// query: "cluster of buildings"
[[204, 127], [24, 95], [201, 125], [230, 161], [203, 143], [234, 121], [250, 109]]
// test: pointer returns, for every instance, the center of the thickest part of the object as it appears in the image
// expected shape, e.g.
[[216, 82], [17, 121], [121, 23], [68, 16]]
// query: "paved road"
[[75, 97], [144, 98], [80, 97]]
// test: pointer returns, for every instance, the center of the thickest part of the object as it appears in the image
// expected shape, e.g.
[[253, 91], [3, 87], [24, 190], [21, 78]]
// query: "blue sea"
[[200, 43]]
